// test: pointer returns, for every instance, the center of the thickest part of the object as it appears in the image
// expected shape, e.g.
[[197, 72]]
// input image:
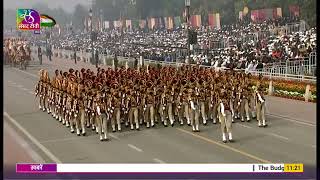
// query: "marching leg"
[[223, 127], [105, 126], [131, 118], [82, 121], [203, 113], [192, 119], [196, 119], [228, 125], [135, 116], [170, 114], [242, 111], [118, 118], [99, 126], [113, 122], [246, 108], [262, 114], [152, 115], [77, 121], [258, 108], [187, 114]]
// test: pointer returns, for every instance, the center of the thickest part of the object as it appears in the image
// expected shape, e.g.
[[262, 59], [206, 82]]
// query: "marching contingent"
[[17, 52], [83, 99]]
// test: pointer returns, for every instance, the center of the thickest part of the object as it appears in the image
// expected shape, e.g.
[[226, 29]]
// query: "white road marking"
[[245, 126], [159, 161], [13, 83], [135, 148], [19, 86], [34, 140], [292, 120], [30, 151], [9, 81], [276, 135], [30, 92], [30, 74], [25, 89], [64, 139], [114, 136]]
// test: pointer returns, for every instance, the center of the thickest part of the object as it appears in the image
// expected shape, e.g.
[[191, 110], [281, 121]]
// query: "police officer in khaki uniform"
[[149, 107], [261, 107], [224, 110], [133, 110], [194, 110], [115, 110], [101, 119]]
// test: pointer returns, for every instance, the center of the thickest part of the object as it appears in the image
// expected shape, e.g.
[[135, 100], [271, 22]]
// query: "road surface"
[[289, 138]]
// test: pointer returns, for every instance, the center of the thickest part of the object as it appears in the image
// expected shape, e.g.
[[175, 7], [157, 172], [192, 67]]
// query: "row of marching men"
[[16, 52], [150, 97]]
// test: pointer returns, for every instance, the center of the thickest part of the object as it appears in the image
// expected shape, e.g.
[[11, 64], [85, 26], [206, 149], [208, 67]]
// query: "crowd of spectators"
[[241, 45]]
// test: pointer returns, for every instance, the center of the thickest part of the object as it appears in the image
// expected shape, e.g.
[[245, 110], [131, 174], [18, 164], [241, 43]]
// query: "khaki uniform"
[[115, 111], [101, 118], [201, 95], [170, 110], [149, 108], [194, 112], [261, 109], [179, 107], [224, 111], [244, 106], [133, 112]]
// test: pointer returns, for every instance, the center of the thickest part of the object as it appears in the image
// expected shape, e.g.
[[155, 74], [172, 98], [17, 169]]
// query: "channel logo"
[[30, 19]]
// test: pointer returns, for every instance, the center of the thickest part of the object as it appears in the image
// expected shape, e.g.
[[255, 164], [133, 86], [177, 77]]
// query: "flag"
[[170, 23], [279, 12], [117, 24], [294, 10], [128, 24], [195, 20], [135, 24], [106, 24], [218, 25], [151, 23], [211, 19], [142, 23], [240, 15], [177, 21]]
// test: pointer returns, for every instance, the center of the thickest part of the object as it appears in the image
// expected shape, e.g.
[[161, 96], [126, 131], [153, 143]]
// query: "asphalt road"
[[289, 138]]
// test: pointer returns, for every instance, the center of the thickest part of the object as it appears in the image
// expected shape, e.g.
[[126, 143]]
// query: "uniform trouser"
[[261, 108], [180, 111], [187, 112], [163, 113], [253, 107], [116, 119], [125, 117], [170, 112], [43, 102], [244, 109], [102, 125], [80, 121], [141, 114], [149, 114], [133, 117], [203, 112], [226, 121], [157, 114], [194, 117], [213, 112]]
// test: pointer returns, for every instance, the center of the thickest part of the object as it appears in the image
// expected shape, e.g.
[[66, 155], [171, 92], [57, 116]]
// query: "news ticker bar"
[[159, 168]]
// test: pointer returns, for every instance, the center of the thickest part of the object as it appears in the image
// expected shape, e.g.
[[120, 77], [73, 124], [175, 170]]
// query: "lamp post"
[[187, 4]]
